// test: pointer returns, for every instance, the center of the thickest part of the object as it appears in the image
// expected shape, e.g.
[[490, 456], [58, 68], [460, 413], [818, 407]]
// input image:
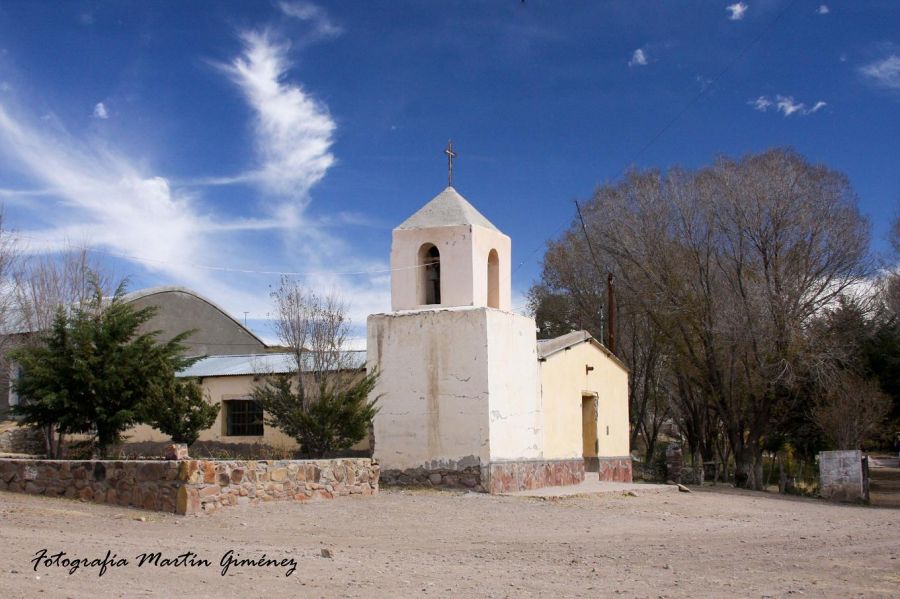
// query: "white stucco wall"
[[433, 388], [483, 241], [516, 421], [464, 253], [564, 381], [455, 245]]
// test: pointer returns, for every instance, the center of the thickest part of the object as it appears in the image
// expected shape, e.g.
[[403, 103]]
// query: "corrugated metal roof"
[[274, 363], [548, 347]]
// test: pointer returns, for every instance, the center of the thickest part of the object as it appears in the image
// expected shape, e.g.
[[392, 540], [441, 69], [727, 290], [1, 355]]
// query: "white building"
[[466, 396]]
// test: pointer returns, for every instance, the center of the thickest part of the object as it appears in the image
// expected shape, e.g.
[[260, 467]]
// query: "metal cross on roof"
[[450, 156]]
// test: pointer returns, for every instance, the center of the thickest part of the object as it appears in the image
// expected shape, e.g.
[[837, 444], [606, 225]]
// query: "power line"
[[145, 260]]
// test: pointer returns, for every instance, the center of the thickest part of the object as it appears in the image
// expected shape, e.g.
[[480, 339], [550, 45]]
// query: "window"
[[430, 275], [243, 418], [493, 282]]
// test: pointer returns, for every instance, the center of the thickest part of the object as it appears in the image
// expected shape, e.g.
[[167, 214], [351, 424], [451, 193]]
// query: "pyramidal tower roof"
[[448, 208]]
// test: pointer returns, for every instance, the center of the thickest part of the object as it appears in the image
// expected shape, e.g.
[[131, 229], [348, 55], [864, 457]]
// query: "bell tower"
[[449, 255], [458, 388]]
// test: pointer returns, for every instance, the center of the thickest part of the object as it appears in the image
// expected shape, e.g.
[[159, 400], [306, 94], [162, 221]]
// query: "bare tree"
[[572, 295], [43, 283], [325, 404], [9, 257], [729, 263], [851, 410], [315, 328]]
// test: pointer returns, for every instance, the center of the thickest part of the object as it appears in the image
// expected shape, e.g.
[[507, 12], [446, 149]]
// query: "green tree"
[[333, 420], [95, 371], [180, 411], [324, 404]]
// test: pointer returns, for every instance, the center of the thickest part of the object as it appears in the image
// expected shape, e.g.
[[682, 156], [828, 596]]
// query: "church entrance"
[[590, 442]]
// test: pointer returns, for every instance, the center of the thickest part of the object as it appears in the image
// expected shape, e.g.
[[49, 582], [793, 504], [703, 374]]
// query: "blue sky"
[[216, 144]]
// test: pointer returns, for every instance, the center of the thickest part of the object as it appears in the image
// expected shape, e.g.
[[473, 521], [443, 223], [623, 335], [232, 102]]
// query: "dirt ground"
[[424, 543]]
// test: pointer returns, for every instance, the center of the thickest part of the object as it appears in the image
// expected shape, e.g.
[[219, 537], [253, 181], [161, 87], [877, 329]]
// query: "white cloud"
[[785, 105], [639, 58], [102, 198], [737, 11], [103, 201], [761, 104], [823, 9], [316, 15], [884, 72], [117, 205], [293, 131], [100, 111]]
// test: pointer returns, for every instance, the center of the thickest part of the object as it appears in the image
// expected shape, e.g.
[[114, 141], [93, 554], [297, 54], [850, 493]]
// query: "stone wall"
[[842, 476], [189, 486], [464, 478], [496, 477], [20, 439], [615, 469]]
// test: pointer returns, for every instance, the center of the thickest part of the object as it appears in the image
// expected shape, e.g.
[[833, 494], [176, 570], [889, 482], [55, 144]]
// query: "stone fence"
[[190, 486]]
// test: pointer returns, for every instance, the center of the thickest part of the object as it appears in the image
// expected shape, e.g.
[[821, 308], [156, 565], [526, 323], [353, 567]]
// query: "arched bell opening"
[[429, 263]]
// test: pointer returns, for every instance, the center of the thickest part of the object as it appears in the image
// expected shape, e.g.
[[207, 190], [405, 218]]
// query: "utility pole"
[[611, 312]]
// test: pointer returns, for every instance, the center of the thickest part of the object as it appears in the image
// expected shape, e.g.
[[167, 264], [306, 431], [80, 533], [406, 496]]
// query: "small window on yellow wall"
[[243, 418]]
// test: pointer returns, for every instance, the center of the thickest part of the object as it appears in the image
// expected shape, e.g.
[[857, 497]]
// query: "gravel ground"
[[425, 543]]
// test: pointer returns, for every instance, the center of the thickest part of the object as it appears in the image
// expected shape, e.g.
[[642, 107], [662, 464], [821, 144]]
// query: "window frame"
[[248, 408]]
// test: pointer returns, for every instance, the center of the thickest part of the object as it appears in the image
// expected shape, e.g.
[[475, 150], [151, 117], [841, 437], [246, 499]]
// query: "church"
[[468, 396]]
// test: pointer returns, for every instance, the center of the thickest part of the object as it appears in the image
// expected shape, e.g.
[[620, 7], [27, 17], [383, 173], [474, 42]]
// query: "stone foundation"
[[843, 477], [506, 477], [496, 477], [615, 469], [189, 486], [465, 478]]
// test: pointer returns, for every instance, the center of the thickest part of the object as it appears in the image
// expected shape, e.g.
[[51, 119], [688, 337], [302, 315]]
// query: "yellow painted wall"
[[564, 380], [217, 390]]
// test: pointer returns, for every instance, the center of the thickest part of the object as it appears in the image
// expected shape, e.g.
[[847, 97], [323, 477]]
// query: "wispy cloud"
[[117, 205], [785, 105], [103, 200], [761, 104], [293, 130], [100, 111], [315, 15], [823, 9], [736, 11], [884, 72], [106, 201], [638, 58]]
